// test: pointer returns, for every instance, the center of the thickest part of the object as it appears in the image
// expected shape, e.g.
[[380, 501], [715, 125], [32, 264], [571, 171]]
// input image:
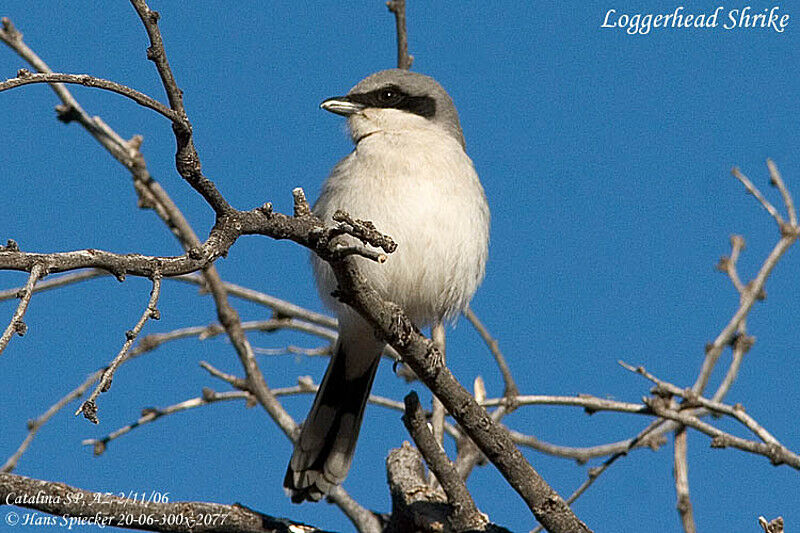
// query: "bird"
[[408, 174]]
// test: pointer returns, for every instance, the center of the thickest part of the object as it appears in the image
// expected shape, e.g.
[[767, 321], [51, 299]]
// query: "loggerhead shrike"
[[410, 176]]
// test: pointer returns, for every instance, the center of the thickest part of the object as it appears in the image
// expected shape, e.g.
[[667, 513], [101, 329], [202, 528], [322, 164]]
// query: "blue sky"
[[605, 158]]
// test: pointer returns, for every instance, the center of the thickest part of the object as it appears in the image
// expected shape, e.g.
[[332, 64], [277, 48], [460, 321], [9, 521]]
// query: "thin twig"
[[752, 189], [728, 265], [152, 195], [55, 282], [35, 425], [152, 414], [736, 411], [25, 77], [464, 514], [776, 453], [89, 407], [755, 287], [511, 390], [776, 180], [644, 438], [281, 307], [17, 325], [437, 420], [681, 471], [186, 159], [398, 7]]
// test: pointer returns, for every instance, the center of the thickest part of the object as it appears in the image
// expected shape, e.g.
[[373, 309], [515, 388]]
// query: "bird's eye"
[[388, 95]]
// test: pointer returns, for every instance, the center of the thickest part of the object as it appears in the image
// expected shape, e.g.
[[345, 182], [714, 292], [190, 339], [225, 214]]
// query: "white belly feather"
[[422, 190]]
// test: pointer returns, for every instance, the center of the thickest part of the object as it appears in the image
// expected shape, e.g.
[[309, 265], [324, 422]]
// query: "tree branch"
[[89, 407], [464, 515], [73, 506], [681, 471], [25, 77], [17, 325], [35, 425], [398, 7]]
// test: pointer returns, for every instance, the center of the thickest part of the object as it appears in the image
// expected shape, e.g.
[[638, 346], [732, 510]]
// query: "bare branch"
[[152, 195], [754, 291], [773, 526], [281, 307], [361, 517], [187, 160], [17, 325], [103, 509], [438, 336], [681, 470], [752, 189], [776, 180], [89, 407], [152, 414], [729, 264], [464, 515], [54, 283], [511, 390], [36, 424], [398, 7], [25, 77], [777, 454], [692, 400]]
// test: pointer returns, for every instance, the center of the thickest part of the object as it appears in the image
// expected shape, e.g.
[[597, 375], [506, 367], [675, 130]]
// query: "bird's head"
[[396, 101]]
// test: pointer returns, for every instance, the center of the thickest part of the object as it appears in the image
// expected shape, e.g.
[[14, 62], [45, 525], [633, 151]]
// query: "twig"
[[154, 340], [152, 195], [62, 500], [736, 411], [437, 419], [646, 437], [776, 180], [281, 307], [728, 265], [398, 7], [364, 519], [25, 77], [653, 440], [232, 380], [511, 390], [35, 425], [776, 453], [591, 404], [152, 414], [17, 325], [89, 407], [54, 283], [681, 471], [464, 515], [752, 189], [754, 290], [291, 349], [209, 396], [773, 526], [187, 160]]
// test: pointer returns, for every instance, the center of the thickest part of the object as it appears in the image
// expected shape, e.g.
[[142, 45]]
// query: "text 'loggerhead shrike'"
[[410, 176]]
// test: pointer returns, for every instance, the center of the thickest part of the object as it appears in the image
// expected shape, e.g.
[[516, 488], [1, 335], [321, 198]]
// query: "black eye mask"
[[392, 97]]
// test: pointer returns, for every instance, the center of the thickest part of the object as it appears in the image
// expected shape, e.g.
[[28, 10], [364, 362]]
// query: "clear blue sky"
[[605, 157]]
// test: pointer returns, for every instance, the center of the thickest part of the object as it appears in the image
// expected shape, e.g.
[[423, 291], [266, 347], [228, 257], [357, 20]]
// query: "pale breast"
[[423, 191]]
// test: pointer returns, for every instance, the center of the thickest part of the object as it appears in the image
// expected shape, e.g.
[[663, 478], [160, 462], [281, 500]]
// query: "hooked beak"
[[341, 105]]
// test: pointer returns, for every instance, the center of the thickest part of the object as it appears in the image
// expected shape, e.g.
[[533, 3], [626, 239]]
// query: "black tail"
[[324, 450]]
